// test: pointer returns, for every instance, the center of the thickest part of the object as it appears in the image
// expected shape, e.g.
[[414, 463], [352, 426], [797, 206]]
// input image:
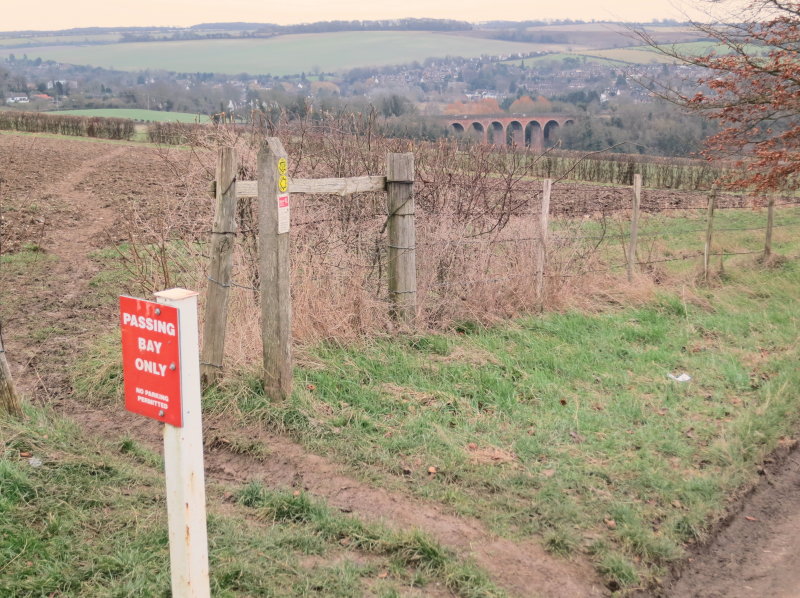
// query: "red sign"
[[151, 359]]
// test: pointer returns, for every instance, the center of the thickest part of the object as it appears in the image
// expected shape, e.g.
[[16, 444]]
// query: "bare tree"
[[752, 88]]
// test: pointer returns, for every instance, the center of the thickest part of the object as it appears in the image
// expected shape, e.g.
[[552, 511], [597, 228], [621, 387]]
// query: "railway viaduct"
[[518, 130]]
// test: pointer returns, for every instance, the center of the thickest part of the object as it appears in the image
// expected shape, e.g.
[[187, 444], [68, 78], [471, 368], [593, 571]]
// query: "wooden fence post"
[[276, 301], [402, 237], [541, 257], [770, 226], [9, 400], [712, 202], [223, 239], [637, 200]]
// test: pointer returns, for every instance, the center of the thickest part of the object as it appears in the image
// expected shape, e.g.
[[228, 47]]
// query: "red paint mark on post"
[[283, 213], [151, 359]]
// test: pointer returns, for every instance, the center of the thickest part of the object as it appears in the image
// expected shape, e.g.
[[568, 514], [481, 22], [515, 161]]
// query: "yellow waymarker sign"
[[282, 165], [283, 183]]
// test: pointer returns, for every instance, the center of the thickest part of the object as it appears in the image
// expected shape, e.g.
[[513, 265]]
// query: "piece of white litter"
[[35, 462], [684, 377]]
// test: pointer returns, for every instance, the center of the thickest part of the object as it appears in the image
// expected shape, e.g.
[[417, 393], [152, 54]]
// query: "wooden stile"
[[402, 237], [223, 239], [276, 306]]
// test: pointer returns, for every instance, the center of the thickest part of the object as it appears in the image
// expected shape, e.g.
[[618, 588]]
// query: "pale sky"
[[63, 14]]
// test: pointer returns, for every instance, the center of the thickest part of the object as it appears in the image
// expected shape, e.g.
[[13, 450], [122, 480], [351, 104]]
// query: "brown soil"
[[83, 204], [755, 551]]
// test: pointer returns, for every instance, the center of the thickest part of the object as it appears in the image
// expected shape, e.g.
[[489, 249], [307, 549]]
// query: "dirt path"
[[59, 301], [756, 554], [523, 569]]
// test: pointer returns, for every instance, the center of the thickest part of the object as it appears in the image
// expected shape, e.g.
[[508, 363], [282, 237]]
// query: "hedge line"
[[169, 133], [78, 126]]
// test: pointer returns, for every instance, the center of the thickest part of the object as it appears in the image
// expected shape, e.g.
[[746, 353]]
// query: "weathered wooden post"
[[712, 202], [637, 200], [541, 256], [276, 302], [402, 237], [223, 239], [9, 400], [770, 226]]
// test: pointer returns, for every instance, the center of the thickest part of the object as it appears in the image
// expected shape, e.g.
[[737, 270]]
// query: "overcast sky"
[[63, 14]]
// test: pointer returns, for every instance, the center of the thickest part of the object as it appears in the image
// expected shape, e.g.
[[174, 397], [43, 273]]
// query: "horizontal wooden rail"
[[348, 186]]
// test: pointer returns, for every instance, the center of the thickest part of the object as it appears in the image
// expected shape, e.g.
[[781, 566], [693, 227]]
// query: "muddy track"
[[755, 552], [60, 297], [522, 568]]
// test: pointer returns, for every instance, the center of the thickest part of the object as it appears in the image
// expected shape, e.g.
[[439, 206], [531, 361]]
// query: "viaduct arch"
[[519, 130]]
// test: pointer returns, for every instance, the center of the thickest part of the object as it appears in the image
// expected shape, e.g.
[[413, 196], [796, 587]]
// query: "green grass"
[[738, 239], [566, 427], [82, 517], [136, 114], [282, 55]]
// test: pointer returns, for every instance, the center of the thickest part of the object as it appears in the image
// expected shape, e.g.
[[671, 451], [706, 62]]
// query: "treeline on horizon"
[[405, 24]]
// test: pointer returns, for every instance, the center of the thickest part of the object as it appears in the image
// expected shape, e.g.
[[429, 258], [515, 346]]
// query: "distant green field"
[[137, 114], [629, 55], [283, 55], [57, 39], [558, 56], [646, 55]]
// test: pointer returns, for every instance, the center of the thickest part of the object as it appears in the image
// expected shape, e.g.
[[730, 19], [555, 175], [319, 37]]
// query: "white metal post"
[[183, 462]]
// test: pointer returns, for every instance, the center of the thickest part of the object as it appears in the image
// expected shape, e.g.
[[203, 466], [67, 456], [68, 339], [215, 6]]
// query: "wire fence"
[[483, 264], [479, 246]]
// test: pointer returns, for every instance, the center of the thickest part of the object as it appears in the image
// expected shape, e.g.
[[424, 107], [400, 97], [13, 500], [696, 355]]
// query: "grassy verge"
[[567, 427], [81, 517]]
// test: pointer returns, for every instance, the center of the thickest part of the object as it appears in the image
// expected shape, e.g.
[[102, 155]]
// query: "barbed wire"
[[230, 284], [583, 273], [375, 265]]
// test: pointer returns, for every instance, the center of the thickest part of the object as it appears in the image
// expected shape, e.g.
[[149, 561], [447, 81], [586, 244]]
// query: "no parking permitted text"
[[151, 359]]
